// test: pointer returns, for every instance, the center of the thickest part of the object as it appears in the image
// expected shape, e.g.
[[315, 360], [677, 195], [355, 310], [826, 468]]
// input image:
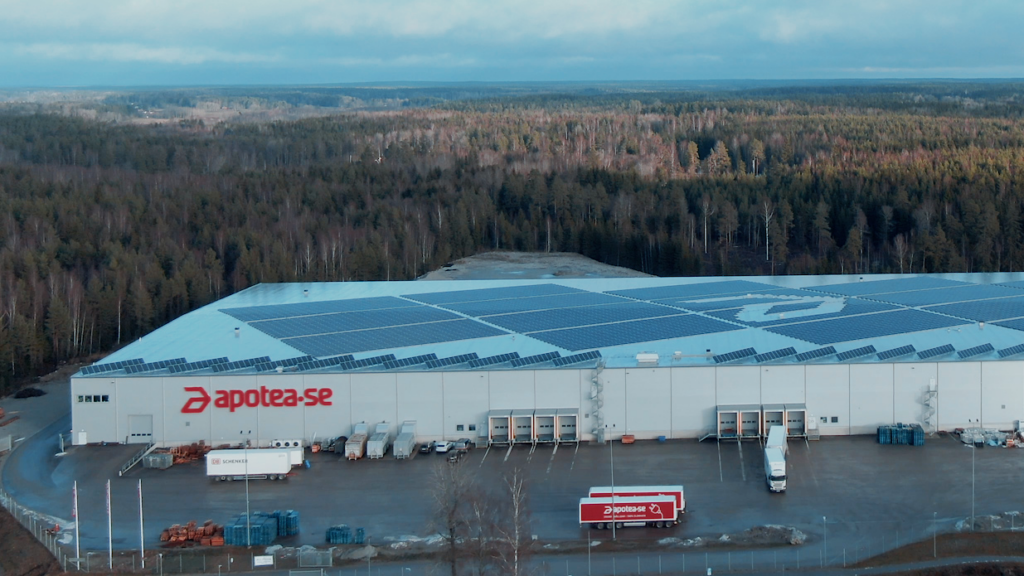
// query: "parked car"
[[463, 444], [426, 448], [443, 446]]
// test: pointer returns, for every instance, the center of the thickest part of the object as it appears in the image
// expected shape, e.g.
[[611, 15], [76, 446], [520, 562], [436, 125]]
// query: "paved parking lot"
[[865, 490]]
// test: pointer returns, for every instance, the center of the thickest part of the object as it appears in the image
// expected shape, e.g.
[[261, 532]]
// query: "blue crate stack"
[[340, 534], [262, 530], [360, 536], [899, 433]]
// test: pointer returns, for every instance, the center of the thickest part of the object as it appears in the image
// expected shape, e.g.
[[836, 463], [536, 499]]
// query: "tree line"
[[108, 231]]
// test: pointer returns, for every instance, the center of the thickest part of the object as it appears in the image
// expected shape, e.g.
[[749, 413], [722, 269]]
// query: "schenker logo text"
[[263, 397]]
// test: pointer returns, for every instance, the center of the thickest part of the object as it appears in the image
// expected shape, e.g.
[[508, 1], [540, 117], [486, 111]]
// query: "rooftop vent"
[[644, 358]]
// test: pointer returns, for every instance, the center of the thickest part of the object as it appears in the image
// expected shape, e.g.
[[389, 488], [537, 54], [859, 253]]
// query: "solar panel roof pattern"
[[984, 310], [937, 351], [442, 298], [944, 295], [897, 352], [510, 306], [733, 302], [884, 286], [852, 307], [734, 355], [794, 307], [577, 358], [850, 328], [1011, 351], [975, 351], [1019, 284], [254, 313], [703, 289], [1017, 324], [391, 337], [630, 332], [527, 322], [855, 353], [812, 354], [346, 321]]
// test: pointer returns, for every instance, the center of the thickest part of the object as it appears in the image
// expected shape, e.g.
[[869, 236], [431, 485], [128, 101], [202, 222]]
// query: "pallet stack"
[[191, 534], [190, 452], [262, 528], [905, 434]]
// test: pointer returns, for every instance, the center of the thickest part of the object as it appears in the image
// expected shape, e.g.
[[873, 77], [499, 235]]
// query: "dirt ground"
[[20, 553], [528, 266]]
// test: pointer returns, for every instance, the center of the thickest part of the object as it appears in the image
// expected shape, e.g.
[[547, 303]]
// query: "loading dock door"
[[498, 422], [140, 429], [545, 423], [750, 424], [523, 428], [727, 424], [774, 415], [796, 419], [568, 422]]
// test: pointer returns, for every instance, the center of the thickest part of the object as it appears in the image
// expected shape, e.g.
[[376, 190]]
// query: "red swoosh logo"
[[198, 403]]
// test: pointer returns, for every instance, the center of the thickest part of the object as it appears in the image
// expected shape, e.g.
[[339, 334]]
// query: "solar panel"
[[348, 321], [855, 353], [365, 362], [705, 305], [152, 366], [851, 328], [984, 310], [1011, 351], [631, 332], [793, 307], [819, 353], [452, 360], [897, 352], [577, 358], [413, 361], [775, 354], [274, 364], [487, 308], [535, 359], [198, 365], [491, 360], [975, 351], [527, 322], [736, 355], [946, 295], [937, 351], [451, 297], [696, 290], [391, 337], [257, 313], [851, 307], [239, 364], [1017, 324], [1018, 284], [110, 366], [884, 286]]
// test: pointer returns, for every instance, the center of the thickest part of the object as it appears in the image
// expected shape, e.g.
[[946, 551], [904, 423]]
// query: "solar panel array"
[[258, 313], [392, 337], [812, 354], [366, 362], [348, 321], [698, 290], [1011, 351], [886, 286], [323, 362], [775, 354], [451, 297], [199, 365], [152, 366], [945, 295], [984, 310], [110, 366], [413, 361], [855, 353], [793, 307], [850, 308], [492, 360], [577, 358], [736, 355], [1017, 284], [274, 364], [452, 360], [535, 359], [631, 332], [730, 303], [937, 351], [853, 328], [897, 352], [975, 351], [239, 364], [512, 305], [528, 322]]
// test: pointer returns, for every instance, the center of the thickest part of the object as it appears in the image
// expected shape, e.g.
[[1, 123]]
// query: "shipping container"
[[266, 463], [621, 511], [405, 444], [378, 444]]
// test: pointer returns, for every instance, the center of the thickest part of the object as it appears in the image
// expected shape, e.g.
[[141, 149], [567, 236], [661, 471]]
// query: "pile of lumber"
[[191, 534], [190, 452]]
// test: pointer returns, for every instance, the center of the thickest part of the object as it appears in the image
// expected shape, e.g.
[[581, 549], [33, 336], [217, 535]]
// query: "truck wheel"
[[599, 525], [221, 478], [618, 525], [659, 524]]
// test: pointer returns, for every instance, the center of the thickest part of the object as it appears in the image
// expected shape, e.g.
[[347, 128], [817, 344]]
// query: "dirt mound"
[[20, 553]]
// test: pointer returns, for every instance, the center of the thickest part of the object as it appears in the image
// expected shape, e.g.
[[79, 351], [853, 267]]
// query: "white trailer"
[[378, 443], [405, 444], [775, 469], [355, 446], [777, 439], [255, 464]]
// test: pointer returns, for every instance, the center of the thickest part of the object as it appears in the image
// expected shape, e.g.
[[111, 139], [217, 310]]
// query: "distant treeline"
[[109, 231]]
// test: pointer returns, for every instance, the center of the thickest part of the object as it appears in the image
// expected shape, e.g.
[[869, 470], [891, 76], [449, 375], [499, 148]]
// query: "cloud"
[[126, 52]]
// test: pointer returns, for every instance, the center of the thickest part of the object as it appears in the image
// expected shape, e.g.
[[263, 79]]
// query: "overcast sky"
[[189, 42]]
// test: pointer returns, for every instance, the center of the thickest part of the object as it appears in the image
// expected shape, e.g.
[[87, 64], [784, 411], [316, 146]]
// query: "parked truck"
[[378, 444], [775, 469], [638, 491], [406, 441], [257, 464], [619, 511], [355, 446]]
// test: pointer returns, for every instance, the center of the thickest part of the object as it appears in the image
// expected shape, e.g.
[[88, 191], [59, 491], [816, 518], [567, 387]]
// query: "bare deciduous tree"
[[451, 486], [513, 526]]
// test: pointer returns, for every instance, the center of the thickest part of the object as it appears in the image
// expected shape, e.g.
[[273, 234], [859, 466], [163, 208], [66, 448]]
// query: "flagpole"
[[110, 532], [142, 529], [74, 514]]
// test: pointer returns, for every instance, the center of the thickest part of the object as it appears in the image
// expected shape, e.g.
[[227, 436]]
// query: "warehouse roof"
[[621, 322]]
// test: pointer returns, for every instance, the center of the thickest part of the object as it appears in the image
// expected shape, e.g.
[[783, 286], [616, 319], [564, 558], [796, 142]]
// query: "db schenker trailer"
[[258, 464], [657, 511], [675, 491]]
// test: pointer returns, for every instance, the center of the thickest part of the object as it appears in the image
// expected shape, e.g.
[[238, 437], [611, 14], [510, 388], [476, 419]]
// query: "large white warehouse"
[[568, 360]]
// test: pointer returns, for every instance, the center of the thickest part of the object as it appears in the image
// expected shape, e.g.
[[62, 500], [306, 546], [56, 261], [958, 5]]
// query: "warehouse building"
[[558, 360]]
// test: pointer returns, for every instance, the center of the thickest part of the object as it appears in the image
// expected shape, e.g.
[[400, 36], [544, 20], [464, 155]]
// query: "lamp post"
[[611, 456], [248, 522], [934, 548], [824, 527], [974, 450]]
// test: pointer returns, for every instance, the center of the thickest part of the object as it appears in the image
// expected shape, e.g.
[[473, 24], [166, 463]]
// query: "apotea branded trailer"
[[256, 464], [676, 491], [406, 441], [775, 469], [620, 511], [378, 444], [355, 447]]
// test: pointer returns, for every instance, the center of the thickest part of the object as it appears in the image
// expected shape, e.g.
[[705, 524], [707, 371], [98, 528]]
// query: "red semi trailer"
[[675, 491], [658, 511]]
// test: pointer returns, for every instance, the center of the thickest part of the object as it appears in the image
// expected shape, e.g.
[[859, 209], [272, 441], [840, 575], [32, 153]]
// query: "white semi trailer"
[[776, 450], [257, 464]]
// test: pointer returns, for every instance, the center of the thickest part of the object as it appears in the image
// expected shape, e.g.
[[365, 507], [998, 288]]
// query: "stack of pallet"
[[191, 534], [190, 452]]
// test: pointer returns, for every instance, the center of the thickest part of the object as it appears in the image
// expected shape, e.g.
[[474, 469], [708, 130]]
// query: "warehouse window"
[[106, 398], [94, 398], [88, 398], [81, 398], [472, 427], [824, 419], [459, 427], [835, 419]]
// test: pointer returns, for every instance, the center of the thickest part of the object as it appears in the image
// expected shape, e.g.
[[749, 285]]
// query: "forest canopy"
[[109, 229]]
